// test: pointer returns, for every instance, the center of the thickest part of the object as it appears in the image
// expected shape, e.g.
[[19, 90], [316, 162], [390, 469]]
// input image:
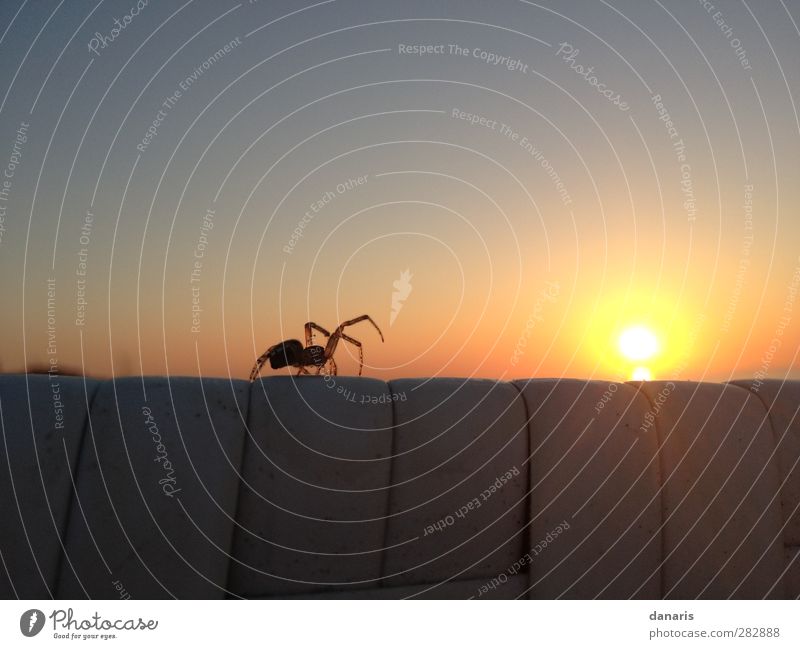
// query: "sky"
[[505, 187]]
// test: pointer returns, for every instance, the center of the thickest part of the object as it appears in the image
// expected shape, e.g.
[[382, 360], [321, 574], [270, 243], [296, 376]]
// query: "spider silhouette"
[[291, 352]]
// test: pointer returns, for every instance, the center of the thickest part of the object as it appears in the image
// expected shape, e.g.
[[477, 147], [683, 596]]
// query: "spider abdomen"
[[286, 353]]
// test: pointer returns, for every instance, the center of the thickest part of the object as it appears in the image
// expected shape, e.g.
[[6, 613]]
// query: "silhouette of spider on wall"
[[292, 353]]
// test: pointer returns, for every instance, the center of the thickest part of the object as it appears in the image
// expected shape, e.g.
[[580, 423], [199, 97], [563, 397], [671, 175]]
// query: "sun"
[[641, 374], [638, 343]]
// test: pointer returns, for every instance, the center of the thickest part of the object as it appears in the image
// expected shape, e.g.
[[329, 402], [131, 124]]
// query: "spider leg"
[[333, 341], [333, 366], [257, 367], [360, 351], [313, 325], [347, 323]]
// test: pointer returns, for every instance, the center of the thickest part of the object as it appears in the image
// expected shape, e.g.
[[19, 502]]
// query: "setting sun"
[[638, 343], [641, 374]]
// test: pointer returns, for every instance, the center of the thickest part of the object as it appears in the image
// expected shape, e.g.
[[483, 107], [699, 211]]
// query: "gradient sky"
[[530, 247]]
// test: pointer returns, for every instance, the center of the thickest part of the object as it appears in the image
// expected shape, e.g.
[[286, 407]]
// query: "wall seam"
[[526, 536], [245, 446], [661, 485], [392, 447], [73, 493], [767, 409], [775, 443]]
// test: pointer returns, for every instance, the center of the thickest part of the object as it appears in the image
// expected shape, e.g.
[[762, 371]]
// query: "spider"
[[291, 352]]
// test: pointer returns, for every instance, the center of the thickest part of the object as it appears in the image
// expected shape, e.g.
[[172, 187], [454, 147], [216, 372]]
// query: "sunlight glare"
[[638, 343]]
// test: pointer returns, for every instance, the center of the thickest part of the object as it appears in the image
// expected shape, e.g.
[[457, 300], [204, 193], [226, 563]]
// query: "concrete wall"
[[442, 488]]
